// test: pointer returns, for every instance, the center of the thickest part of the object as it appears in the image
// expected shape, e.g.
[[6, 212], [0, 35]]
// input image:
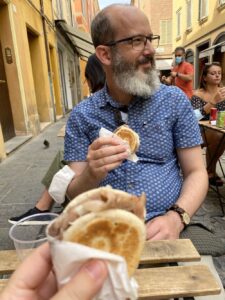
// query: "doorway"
[[6, 117]]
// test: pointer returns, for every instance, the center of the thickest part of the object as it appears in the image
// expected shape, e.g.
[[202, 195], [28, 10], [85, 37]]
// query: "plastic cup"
[[30, 232]]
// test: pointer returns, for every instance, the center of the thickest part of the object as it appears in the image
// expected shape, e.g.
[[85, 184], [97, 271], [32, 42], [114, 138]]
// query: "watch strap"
[[182, 213]]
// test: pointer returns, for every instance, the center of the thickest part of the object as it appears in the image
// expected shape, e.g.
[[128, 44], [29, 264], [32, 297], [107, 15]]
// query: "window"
[[189, 24], [178, 14], [84, 9], [165, 32], [221, 2], [203, 9]]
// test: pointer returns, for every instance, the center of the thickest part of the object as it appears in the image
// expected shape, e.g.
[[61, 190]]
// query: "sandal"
[[216, 181]]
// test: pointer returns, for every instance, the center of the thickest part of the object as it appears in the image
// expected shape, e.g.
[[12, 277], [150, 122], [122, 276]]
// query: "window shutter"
[[165, 32]]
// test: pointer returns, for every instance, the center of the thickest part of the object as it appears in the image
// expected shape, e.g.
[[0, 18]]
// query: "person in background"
[[182, 73], [170, 140], [210, 94], [35, 279], [95, 77]]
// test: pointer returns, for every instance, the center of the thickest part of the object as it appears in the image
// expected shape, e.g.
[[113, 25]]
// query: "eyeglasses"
[[138, 42]]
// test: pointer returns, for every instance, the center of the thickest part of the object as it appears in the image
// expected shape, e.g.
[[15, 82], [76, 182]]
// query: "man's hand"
[[173, 74], [104, 155], [166, 227]]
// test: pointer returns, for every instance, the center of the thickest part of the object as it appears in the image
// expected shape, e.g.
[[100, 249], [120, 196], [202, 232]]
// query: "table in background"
[[205, 125]]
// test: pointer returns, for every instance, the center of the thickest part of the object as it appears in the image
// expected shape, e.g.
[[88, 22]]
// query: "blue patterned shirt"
[[164, 122]]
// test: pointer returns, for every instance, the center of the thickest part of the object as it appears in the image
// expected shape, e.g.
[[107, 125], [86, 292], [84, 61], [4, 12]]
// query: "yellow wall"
[[2, 148], [199, 32], [21, 29]]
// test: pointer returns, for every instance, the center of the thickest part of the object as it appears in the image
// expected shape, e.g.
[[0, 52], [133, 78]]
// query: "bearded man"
[[170, 169]]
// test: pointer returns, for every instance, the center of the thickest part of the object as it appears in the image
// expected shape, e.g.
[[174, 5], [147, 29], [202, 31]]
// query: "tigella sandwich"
[[106, 219], [129, 136]]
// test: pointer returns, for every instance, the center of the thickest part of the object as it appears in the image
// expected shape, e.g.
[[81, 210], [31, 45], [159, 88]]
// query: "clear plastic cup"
[[30, 232]]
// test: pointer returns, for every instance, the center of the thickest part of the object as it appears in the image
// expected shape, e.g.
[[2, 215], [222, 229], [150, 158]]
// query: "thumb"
[[86, 283]]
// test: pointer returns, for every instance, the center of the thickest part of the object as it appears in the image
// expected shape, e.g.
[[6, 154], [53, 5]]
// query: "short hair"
[[102, 30], [179, 49], [205, 70], [95, 73]]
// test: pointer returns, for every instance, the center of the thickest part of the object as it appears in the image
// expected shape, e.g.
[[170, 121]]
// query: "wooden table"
[[156, 280], [205, 125]]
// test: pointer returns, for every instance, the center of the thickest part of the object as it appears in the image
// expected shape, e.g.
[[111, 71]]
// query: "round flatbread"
[[115, 231], [129, 136]]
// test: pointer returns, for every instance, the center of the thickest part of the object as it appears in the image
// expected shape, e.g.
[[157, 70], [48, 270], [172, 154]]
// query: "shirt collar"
[[106, 99]]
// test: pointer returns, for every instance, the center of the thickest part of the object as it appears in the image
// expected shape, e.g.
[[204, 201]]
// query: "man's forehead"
[[128, 20], [179, 52]]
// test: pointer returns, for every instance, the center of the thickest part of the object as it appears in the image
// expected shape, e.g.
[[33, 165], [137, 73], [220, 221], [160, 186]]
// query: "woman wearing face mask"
[[182, 73], [211, 94]]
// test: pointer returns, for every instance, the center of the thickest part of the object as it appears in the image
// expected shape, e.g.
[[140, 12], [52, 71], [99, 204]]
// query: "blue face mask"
[[178, 59]]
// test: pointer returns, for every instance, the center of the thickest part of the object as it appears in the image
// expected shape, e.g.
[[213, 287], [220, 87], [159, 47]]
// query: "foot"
[[30, 212]]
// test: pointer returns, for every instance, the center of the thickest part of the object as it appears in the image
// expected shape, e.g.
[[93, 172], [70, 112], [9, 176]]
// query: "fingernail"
[[95, 268]]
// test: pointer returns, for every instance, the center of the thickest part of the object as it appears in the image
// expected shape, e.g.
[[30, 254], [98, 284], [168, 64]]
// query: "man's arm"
[[195, 185], [104, 155], [184, 77], [194, 189]]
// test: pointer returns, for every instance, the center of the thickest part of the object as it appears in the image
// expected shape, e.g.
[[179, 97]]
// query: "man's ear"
[[103, 53]]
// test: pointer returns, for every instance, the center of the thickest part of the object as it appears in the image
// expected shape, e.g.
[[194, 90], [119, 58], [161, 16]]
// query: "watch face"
[[186, 218]]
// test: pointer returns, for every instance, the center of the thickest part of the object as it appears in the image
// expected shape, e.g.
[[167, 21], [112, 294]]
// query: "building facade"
[[199, 26], [29, 86], [159, 14], [44, 46]]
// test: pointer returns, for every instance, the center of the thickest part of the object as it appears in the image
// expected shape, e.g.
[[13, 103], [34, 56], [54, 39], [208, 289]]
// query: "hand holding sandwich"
[[34, 279], [104, 155]]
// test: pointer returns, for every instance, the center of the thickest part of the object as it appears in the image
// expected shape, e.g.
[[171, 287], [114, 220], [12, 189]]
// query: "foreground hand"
[[104, 155], [167, 227], [34, 280]]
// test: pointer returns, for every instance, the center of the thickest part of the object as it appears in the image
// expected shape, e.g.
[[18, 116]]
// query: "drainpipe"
[[48, 59]]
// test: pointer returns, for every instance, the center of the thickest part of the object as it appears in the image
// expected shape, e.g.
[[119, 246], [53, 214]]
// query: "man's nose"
[[149, 48]]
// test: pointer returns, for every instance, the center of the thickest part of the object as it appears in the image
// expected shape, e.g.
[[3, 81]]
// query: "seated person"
[[95, 77], [210, 94]]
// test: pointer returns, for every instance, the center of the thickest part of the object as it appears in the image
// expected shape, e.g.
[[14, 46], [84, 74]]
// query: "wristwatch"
[[185, 218]]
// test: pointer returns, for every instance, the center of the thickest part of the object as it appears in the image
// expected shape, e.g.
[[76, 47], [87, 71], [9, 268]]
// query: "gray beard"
[[133, 81]]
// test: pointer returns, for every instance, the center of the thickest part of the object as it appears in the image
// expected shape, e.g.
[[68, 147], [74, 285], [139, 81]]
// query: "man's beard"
[[133, 81]]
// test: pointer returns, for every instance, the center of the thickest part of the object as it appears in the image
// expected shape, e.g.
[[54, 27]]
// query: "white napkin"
[[68, 257], [103, 132]]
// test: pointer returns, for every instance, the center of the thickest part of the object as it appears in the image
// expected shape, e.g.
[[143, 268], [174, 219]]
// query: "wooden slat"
[[169, 251], [3, 283], [154, 252], [180, 281], [8, 261]]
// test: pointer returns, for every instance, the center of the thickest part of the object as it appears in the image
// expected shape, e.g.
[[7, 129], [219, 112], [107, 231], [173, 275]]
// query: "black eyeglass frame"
[[149, 38]]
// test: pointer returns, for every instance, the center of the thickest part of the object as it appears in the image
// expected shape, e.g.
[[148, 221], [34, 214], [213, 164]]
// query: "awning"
[[81, 40], [211, 50], [163, 64]]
